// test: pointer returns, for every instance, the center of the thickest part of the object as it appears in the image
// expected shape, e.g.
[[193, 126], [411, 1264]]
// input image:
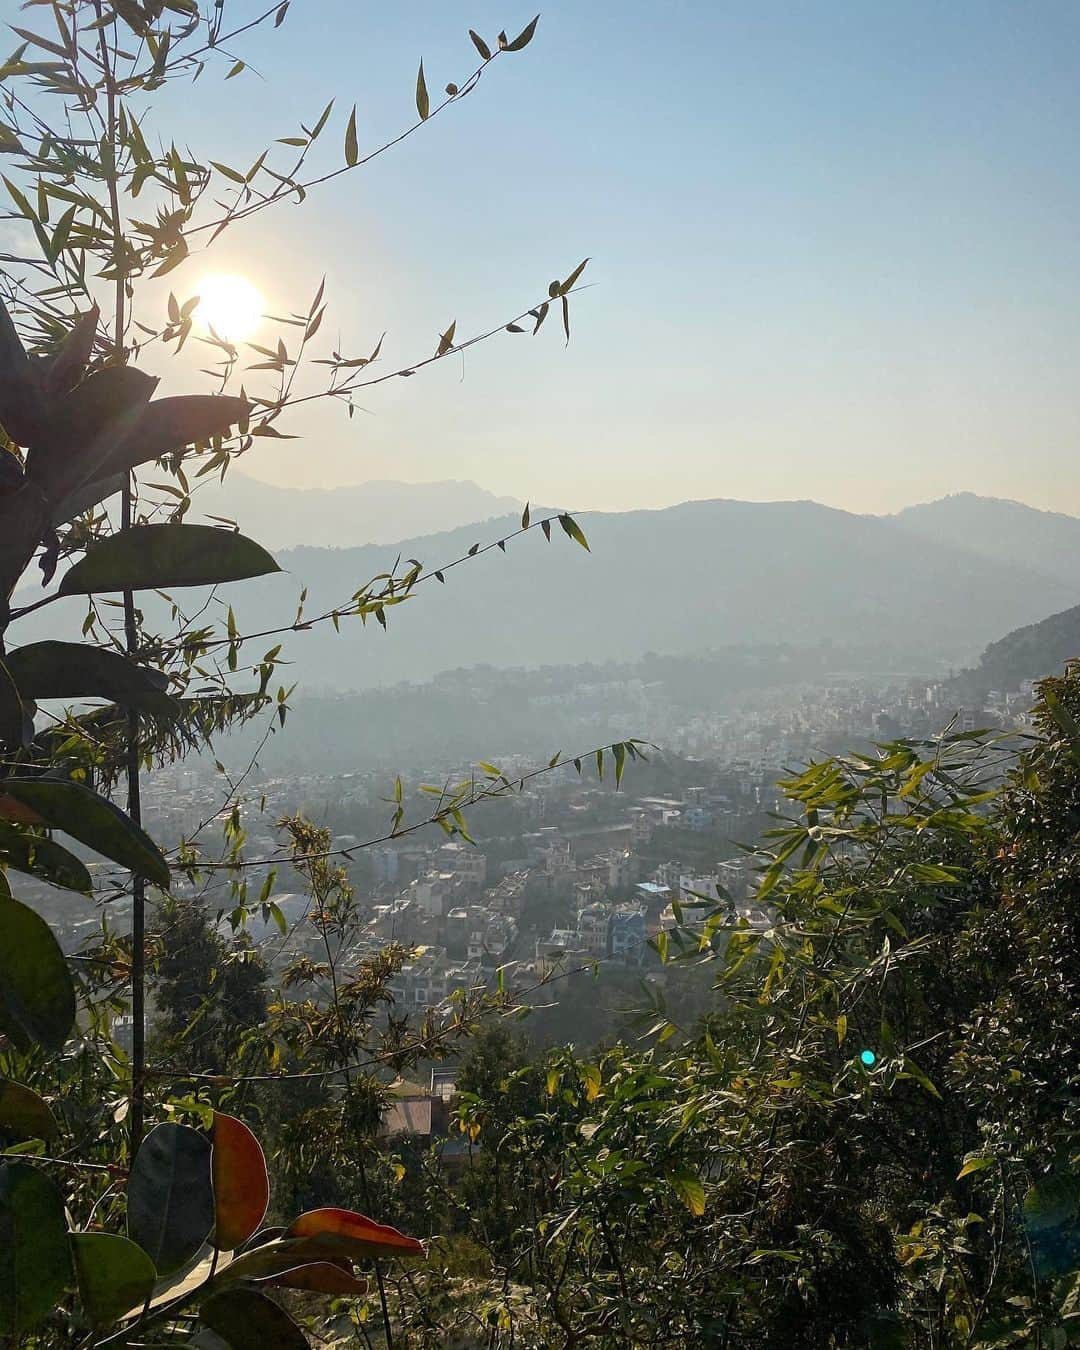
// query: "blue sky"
[[834, 244]]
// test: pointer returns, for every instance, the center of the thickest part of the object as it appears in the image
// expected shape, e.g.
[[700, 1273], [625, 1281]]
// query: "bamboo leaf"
[[423, 103], [352, 148]]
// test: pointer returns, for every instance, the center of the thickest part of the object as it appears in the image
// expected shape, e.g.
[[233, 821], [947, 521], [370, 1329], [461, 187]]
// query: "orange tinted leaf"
[[10, 809], [241, 1184], [344, 1228]]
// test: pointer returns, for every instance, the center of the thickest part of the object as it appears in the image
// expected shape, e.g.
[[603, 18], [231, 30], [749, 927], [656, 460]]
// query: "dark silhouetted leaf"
[[320, 1277], [480, 45], [23, 1114], [170, 1196], [86, 496], [573, 529], [92, 820], [153, 557], [37, 998], [171, 424], [568, 284], [248, 1320], [114, 1275], [423, 103], [41, 857], [76, 670], [64, 368], [524, 37], [352, 148], [35, 1261], [16, 712]]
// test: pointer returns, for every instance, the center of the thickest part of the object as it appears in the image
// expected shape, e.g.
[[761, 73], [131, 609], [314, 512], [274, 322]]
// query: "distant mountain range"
[[928, 588], [377, 512], [1007, 531], [686, 579]]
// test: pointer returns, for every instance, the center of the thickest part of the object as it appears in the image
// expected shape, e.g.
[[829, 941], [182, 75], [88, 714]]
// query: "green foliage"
[[114, 1275], [110, 204], [70, 806], [164, 556], [170, 1199], [37, 996], [35, 1262]]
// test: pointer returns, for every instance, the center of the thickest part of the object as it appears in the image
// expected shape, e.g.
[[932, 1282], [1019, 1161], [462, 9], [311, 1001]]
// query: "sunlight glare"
[[230, 305]]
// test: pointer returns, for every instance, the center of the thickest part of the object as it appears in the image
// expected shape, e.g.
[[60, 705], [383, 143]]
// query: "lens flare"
[[229, 305]]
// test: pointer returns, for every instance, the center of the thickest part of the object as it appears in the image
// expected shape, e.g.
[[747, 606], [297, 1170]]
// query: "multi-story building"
[[627, 934], [593, 928]]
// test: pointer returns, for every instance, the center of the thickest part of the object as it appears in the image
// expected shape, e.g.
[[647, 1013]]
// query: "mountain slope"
[[1043, 541], [376, 512], [1027, 653], [685, 579]]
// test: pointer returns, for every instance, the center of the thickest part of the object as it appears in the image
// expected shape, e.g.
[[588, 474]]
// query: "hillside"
[[1027, 653], [686, 579], [1042, 541]]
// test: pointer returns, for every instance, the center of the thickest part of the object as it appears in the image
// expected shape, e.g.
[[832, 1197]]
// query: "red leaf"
[[241, 1184], [10, 809], [344, 1229]]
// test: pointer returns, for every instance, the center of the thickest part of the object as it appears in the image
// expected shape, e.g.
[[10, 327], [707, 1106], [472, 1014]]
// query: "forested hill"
[[687, 579], [1027, 653]]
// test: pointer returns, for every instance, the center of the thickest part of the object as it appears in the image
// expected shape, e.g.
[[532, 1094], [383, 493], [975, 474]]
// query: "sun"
[[230, 305]]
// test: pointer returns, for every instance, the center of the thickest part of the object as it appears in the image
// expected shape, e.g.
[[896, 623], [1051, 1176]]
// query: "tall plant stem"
[[136, 1105]]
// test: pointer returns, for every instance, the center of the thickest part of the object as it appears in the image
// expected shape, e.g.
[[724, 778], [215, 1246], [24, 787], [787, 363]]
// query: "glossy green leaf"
[[574, 530], [152, 557], [76, 670], [92, 820], [23, 1114], [687, 1186], [114, 1275], [248, 1320], [35, 1261], [37, 997], [44, 858], [170, 1196]]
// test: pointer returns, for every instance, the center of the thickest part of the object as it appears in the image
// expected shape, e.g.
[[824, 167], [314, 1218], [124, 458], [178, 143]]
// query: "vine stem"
[[136, 1106]]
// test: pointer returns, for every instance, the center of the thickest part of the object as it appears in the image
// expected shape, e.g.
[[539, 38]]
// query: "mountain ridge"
[[347, 515]]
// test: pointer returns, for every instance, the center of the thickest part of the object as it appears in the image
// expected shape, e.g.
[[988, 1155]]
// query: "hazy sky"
[[834, 243]]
